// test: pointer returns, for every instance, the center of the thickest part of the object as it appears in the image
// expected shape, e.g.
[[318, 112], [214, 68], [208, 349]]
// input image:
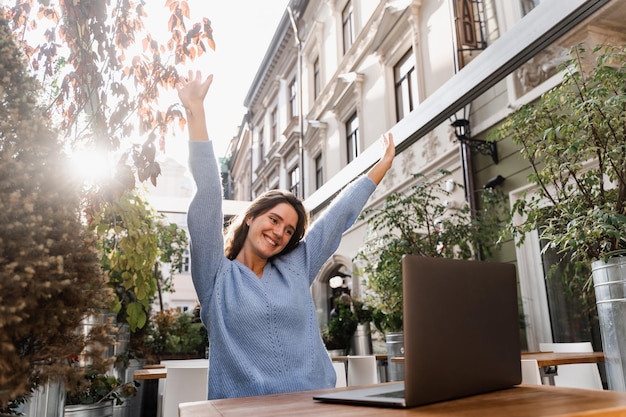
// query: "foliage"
[[364, 312], [341, 326], [133, 238], [172, 242], [174, 332], [50, 277], [418, 222], [104, 73], [95, 387], [575, 142]]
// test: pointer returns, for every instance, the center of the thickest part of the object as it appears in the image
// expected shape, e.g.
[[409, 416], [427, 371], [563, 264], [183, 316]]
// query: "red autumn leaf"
[[211, 43], [184, 8], [171, 4]]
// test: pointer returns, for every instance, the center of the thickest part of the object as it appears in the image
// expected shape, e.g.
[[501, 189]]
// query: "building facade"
[[340, 73]]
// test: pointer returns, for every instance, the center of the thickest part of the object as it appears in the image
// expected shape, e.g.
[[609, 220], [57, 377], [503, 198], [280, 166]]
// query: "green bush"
[[173, 332]]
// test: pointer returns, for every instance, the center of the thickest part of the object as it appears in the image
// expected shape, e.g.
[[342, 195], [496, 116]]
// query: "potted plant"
[[95, 392], [361, 343], [419, 222], [575, 143], [172, 334], [50, 277], [341, 326]]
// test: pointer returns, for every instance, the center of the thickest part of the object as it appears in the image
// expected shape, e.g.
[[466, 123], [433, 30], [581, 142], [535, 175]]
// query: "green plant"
[[363, 311], [95, 387], [575, 142], [50, 276], [173, 332], [133, 239], [341, 326], [418, 222]]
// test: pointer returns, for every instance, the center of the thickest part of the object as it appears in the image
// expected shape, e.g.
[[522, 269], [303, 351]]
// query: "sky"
[[242, 30]]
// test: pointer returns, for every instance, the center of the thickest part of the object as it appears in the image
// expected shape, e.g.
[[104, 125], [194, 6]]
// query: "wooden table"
[[563, 358], [519, 401], [345, 358], [549, 361], [150, 373]]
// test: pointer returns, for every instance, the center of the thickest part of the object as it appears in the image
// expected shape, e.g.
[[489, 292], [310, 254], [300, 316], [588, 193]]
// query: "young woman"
[[254, 290]]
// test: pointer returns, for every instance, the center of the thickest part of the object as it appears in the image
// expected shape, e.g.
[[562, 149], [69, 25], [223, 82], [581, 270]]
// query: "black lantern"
[[463, 134]]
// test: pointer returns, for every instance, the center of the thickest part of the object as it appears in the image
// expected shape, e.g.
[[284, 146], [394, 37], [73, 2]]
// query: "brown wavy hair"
[[238, 229]]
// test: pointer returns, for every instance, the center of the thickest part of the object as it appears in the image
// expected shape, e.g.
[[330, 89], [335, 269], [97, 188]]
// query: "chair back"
[[530, 372], [362, 370], [340, 370], [187, 381]]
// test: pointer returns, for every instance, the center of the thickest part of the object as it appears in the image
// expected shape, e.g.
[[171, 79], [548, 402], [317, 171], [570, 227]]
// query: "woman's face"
[[271, 231]]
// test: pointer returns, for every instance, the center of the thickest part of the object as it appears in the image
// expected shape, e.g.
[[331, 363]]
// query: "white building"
[[409, 67]]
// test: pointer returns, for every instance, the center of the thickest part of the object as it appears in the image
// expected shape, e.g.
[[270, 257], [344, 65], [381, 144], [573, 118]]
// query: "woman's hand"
[[389, 149], [378, 171], [192, 90]]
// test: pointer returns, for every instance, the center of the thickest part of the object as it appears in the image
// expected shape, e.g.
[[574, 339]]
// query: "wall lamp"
[[494, 182], [463, 134]]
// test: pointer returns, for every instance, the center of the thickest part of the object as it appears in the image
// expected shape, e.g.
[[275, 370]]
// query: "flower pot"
[[361, 342], [104, 409], [132, 406], [47, 400], [609, 281], [395, 348]]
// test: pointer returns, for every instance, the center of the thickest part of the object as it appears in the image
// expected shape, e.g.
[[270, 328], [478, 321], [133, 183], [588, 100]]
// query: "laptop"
[[461, 334]]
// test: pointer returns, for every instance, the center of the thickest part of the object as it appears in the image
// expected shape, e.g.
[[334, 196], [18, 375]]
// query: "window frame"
[[347, 26], [352, 137], [405, 81]]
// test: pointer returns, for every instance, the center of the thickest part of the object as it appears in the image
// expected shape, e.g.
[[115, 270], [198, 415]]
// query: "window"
[[348, 27], [352, 137], [293, 94], [469, 16], [261, 145], [405, 85], [274, 121], [316, 78], [528, 5], [294, 181], [319, 172], [185, 266]]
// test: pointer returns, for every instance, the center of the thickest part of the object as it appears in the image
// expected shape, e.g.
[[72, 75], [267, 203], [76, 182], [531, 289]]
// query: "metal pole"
[[300, 105]]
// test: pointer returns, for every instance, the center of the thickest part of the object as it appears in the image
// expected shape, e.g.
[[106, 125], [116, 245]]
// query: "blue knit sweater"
[[264, 334]]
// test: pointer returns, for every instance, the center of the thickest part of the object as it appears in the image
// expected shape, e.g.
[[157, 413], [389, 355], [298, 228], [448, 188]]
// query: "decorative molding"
[[539, 69], [431, 145]]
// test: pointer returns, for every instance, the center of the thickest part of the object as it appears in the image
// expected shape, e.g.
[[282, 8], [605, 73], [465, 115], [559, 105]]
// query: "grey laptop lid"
[[461, 333]]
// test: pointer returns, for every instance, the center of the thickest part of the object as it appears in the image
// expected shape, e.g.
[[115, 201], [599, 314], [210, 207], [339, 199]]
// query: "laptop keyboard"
[[391, 394]]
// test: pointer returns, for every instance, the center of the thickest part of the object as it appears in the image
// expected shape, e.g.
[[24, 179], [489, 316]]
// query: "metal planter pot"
[[104, 409], [361, 343], [609, 281], [395, 348]]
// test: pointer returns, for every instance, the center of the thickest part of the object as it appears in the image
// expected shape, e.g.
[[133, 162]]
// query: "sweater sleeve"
[[205, 219], [324, 235]]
